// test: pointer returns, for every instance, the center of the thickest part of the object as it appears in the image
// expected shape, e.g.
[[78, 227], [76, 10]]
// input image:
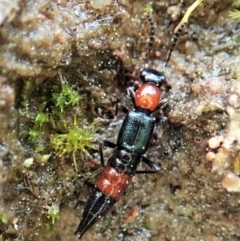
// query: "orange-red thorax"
[[148, 96]]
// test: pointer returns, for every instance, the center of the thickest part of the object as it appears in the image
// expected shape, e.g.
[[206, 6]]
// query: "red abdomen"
[[112, 183]]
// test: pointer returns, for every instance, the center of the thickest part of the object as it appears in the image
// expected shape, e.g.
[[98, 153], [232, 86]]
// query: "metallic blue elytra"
[[136, 132]]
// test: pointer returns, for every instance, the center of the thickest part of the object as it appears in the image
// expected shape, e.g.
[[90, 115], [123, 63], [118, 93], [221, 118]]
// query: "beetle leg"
[[122, 108], [107, 144], [153, 165]]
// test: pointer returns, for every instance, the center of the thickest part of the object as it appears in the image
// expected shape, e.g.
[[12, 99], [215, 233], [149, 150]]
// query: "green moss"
[[78, 138], [41, 118], [60, 119], [66, 98], [148, 10], [53, 214], [236, 3], [235, 14], [34, 133], [235, 75], [4, 218]]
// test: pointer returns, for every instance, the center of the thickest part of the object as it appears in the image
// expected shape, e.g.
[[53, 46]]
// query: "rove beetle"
[[132, 143]]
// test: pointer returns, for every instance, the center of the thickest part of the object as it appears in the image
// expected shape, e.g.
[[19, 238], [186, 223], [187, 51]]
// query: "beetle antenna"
[[152, 33], [148, 10], [178, 30]]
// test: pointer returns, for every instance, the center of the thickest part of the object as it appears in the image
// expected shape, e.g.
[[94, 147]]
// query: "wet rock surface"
[[99, 47]]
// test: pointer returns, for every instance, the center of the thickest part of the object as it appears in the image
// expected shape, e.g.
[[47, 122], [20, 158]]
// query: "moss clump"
[[148, 10], [61, 119], [77, 138], [67, 98], [53, 213], [235, 14], [4, 218], [236, 3]]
